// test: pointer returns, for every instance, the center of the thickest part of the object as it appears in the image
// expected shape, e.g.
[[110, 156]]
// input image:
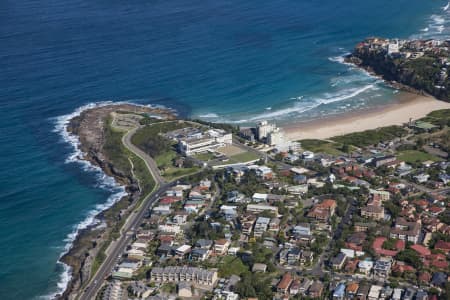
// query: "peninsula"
[[420, 66]]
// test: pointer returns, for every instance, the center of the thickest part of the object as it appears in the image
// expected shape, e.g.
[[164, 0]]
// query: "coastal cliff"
[[412, 65], [101, 147]]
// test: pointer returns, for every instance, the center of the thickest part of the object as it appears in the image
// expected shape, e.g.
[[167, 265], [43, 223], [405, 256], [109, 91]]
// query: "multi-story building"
[[187, 274], [261, 226], [263, 129], [323, 211], [221, 246], [276, 137], [406, 231], [258, 208], [382, 267], [209, 140], [375, 212]]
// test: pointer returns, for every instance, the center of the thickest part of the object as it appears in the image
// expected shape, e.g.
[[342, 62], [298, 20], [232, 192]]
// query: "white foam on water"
[[209, 115], [309, 104], [103, 181]]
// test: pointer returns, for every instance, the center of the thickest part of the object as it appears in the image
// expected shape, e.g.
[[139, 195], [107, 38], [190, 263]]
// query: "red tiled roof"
[[440, 264], [437, 256], [328, 203], [285, 281], [441, 245], [352, 287], [422, 250], [436, 209], [421, 203], [169, 200], [403, 268], [378, 247]]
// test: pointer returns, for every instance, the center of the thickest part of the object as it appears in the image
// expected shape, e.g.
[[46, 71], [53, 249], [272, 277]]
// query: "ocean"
[[230, 61]]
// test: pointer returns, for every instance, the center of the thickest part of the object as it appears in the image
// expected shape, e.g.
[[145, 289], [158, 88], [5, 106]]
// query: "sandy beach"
[[399, 112]]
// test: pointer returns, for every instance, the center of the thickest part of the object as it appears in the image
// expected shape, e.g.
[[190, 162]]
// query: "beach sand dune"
[[407, 106]]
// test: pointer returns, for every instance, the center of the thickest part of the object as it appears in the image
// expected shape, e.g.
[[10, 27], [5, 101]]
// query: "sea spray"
[[102, 181]]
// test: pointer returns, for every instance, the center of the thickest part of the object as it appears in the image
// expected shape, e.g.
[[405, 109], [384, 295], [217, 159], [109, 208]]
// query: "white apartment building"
[[263, 129], [276, 137]]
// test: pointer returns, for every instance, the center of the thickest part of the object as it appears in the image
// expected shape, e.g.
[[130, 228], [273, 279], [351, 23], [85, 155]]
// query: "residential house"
[[380, 194], [302, 229], [180, 218], [323, 211], [285, 283], [339, 292], [183, 250], [294, 289], [365, 266], [442, 246], [306, 257], [363, 292], [200, 254], [304, 285], [316, 289], [274, 225], [221, 246], [363, 227], [382, 267], [384, 160], [258, 197], [351, 290], [374, 292], [204, 244], [338, 261], [258, 208]]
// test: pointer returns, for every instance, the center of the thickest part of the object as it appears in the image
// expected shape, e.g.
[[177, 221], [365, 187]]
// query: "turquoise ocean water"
[[235, 61]]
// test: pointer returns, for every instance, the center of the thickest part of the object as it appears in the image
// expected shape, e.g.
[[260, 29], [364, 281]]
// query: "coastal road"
[[119, 247], [134, 220], [151, 164]]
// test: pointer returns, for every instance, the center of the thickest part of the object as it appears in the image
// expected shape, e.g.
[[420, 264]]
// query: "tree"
[[245, 287], [410, 257], [345, 148]]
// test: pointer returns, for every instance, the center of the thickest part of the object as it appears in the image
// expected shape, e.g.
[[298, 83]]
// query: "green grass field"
[[321, 146], [173, 173], [371, 137], [413, 156], [230, 265], [166, 158], [204, 156], [244, 157]]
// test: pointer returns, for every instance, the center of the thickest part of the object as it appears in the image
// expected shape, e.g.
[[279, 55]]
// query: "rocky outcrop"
[[89, 126], [420, 75]]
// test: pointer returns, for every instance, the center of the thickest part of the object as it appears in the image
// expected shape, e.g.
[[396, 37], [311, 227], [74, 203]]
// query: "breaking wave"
[[102, 181]]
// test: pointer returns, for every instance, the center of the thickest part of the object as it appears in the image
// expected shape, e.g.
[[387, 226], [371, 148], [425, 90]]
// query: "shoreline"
[[406, 106], [93, 217], [71, 278]]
